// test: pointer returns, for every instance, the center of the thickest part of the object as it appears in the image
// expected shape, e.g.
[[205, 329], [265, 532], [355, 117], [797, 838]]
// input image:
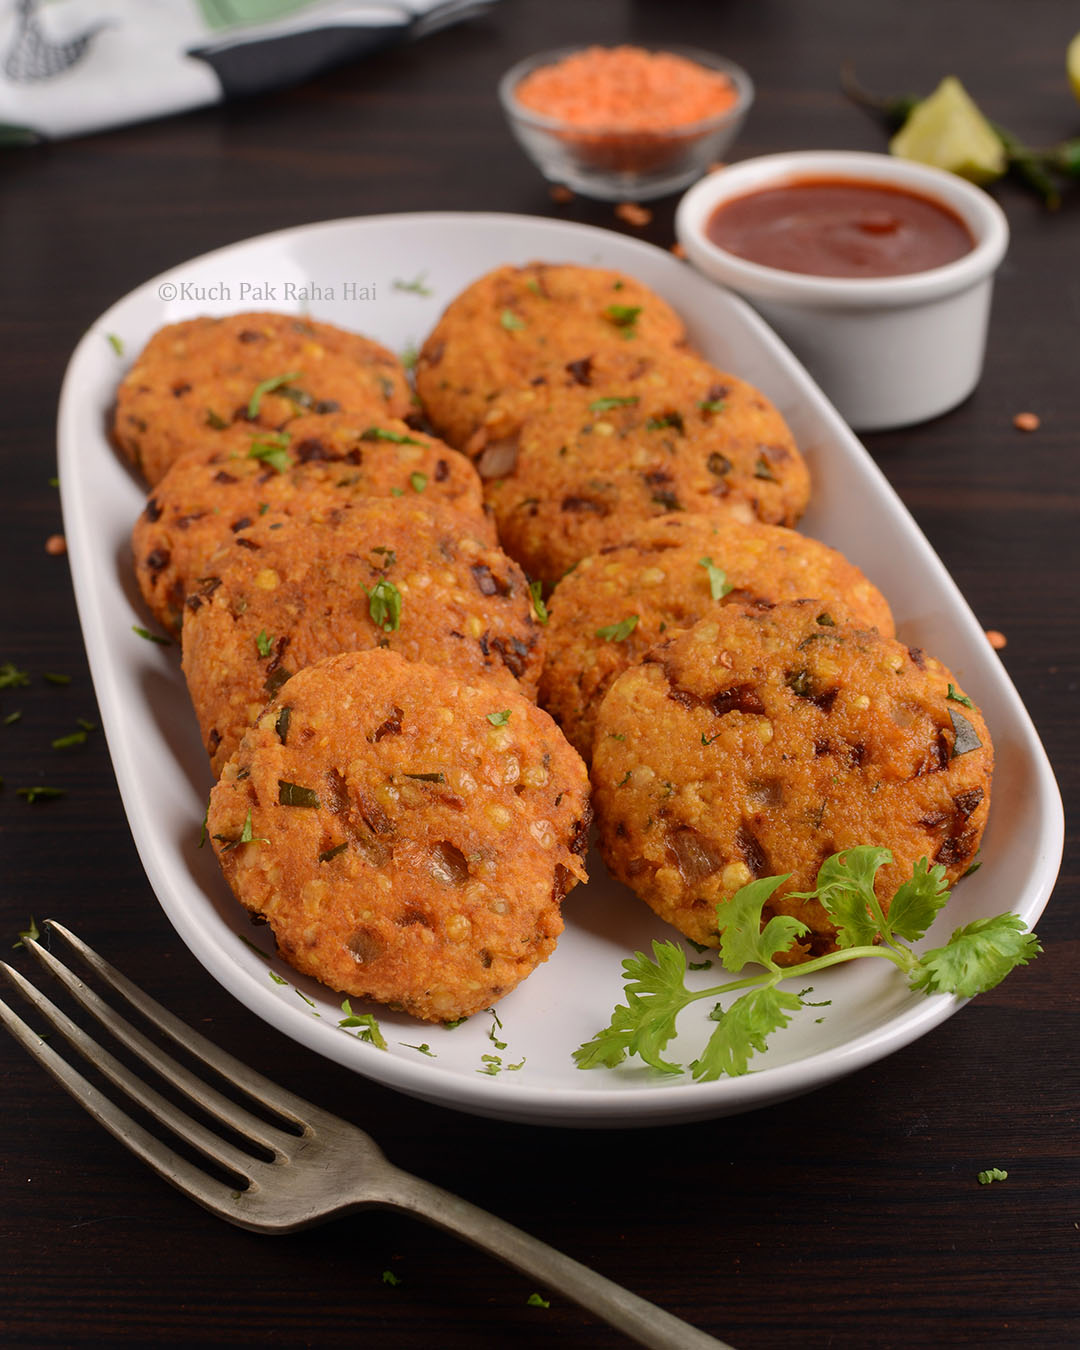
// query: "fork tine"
[[158, 1106], [206, 1190], [294, 1109], [193, 1087]]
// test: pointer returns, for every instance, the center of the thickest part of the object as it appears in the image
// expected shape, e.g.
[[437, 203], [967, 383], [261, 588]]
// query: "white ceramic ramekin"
[[888, 351]]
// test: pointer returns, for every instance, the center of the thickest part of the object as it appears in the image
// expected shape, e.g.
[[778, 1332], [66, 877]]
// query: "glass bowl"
[[616, 164]]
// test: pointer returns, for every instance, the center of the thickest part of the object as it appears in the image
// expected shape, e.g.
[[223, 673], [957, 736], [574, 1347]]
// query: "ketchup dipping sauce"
[[840, 227]]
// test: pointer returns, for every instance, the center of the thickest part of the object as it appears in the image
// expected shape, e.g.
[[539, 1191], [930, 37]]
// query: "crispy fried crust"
[[199, 376], [404, 847], [212, 493], [676, 435], [759, 743], [293, 590], [519, 331], [658, 579]]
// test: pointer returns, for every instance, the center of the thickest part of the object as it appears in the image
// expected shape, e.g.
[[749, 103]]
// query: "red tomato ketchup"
[[840, 227]]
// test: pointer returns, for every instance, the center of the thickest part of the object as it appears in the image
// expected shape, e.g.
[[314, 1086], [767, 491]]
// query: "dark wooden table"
[[848, 1218]]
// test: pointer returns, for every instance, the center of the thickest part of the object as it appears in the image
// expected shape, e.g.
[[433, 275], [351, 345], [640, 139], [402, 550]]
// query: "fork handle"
[[642, 1321]]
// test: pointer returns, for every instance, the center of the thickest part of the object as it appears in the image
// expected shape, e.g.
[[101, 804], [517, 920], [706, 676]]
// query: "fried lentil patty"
[[518, 330], [758, 743], [410, 837], [383, 572], [203, 375], [592, 463], [616, 604], [212, 493]]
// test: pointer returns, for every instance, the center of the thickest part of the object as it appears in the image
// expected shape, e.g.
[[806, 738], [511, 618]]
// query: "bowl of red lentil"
[[618, 123]]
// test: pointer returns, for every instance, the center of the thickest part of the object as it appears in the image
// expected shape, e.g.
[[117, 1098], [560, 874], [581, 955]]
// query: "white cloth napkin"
[[68, 67]]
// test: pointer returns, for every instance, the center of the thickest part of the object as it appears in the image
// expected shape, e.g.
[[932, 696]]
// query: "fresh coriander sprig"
[[975, 958]]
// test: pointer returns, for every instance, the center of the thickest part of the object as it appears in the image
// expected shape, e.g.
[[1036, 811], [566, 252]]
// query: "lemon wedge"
[[1072, 64], [948, 131]]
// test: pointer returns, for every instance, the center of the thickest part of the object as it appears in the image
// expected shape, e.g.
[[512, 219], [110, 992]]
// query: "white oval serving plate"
[[357, 273]]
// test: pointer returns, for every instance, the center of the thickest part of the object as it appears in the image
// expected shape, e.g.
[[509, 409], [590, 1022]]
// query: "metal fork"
[[321, 1166]]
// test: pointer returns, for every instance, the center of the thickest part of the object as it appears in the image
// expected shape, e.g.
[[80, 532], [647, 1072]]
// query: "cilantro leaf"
[[976, 957], [268, 387], [718, 582], [418, 481], [510, 321], [623, 316], [11, 677], [957, 697], [618, 632], [742, 1030], [915, 905], [606, 404], [742, 939], [536, 589], [263, 643], [655, 995], [367, 1022], [845, 887], [384, 605], [499, 719], [381, 434], [992, 1174], [270, 449], [417, 286]]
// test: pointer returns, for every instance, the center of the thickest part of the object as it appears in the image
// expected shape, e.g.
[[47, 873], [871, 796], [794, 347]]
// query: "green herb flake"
[[699, 965], [623, 316], [396, 437], [388, 1277], [292, 794], [992, 1174], [718, 582], [535, 1301], [418, 481], [510, 321], [397, 492], [333, 852], [954, 694], [247, 835], [30, 934], [762, 469], [423, 1047], [673, 420], [366, 1024], [275, 976], [606, 404], [268, 387], [300, 994], [213, 420], [40, 794], [264, 643], [116, 343], [409, 356], [712, 405], [11, 677], [457, 1022], [12, 717], [270, 449], [384, 605], [499, 719], [150, 637], [54, 482], [618, 632], [68, 742], [708, 740], [540, 610], [52, 677], [415, 287]]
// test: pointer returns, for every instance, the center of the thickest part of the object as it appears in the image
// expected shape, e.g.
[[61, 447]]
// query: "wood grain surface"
[[845, 1219]]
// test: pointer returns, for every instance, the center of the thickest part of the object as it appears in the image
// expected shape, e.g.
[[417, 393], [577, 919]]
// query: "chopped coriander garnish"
[[204, 833], [247, 835], [11, 677], [150, 637], [499, 719], [292, 794], [606, 404], [12, 717], [367, 1022], [270, 449], [397, 492], [40, 794], [384, 605], [535, 1301], [53, 677], [309, 1001], [762, 469], [54, 482], [388, 1277], [975, 958], [388, 555], [213, 420], [992, 1174], [116, 343], [276, 977], [381, 434], [416, 286], [718, 582], [418, 481], [711, 405], [70, 741], [673, 420], [699, 965], [264, 644], [623, 316], [953, 693], [423, 1047], [449, 1026], [510, 321], [409, 356], [618, 632], [708, 740], [85, 724], [536, 595], [24, 933], [268, 387]]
